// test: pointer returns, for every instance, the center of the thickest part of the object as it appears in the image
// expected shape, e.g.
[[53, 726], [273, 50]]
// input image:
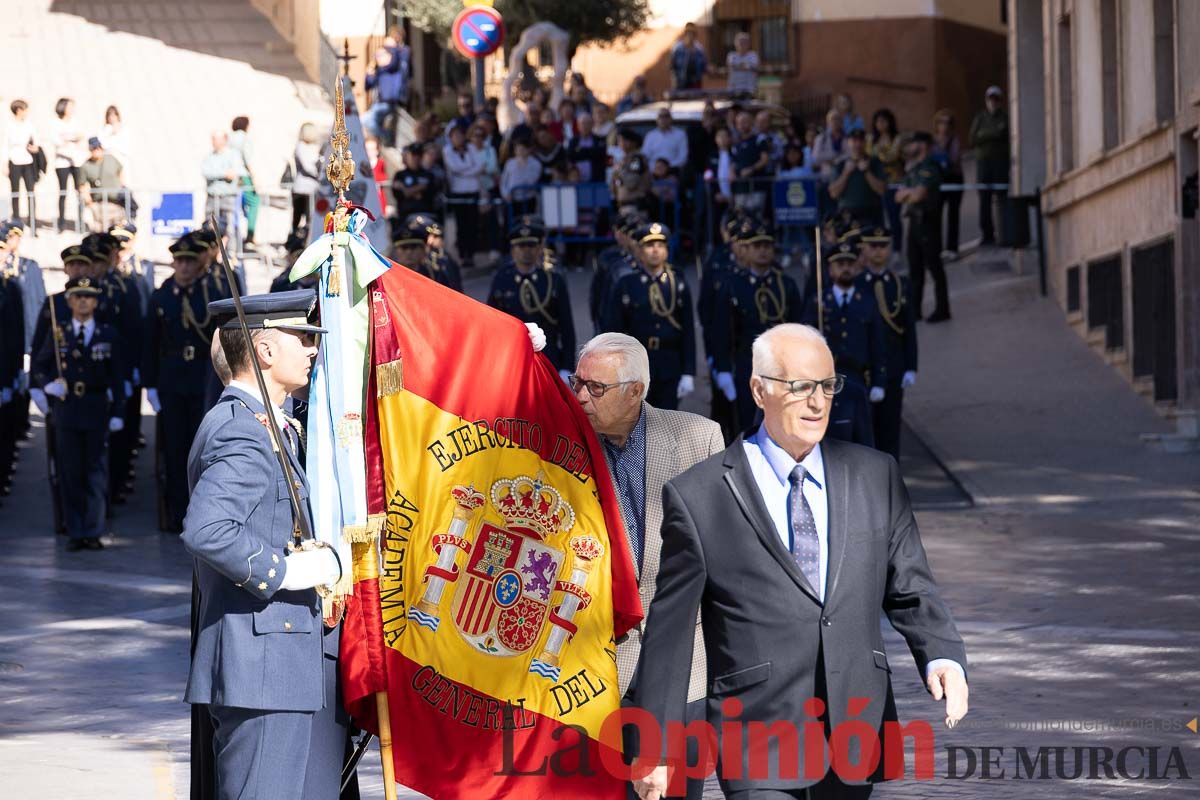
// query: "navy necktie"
[[806, 547]]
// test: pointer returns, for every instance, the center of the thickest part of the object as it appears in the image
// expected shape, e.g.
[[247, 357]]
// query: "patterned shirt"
[[628, 465]]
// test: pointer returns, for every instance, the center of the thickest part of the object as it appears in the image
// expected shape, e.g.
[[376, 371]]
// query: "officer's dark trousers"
[[925, 254], [261, 755], [181, 418], [991, 171], [886, 418], [82, 457]]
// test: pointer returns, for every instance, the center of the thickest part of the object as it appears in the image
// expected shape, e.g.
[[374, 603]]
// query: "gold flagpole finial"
[[340, 169]]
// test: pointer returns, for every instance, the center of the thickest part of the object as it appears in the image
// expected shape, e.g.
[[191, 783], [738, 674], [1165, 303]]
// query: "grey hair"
[[635, 362], [765, 362]]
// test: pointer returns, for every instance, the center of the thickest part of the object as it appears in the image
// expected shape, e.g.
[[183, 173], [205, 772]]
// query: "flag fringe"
[[389, 378]]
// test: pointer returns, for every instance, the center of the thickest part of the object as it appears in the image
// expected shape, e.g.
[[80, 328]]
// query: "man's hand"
[[876, 395], [908, 379], [687, 385], [537, 336], [948, 682], [152, 399], [654, 785], [725, 384], [57, 389]]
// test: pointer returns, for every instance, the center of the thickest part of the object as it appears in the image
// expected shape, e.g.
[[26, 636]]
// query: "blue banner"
[[174, 215], [796, 201]]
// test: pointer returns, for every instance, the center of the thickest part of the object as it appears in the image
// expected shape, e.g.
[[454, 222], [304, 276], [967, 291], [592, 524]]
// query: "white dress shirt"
[[842, 295], [89, 328], [671, 144]]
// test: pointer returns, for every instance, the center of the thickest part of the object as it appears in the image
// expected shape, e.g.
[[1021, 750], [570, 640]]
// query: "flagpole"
[[340, 171]]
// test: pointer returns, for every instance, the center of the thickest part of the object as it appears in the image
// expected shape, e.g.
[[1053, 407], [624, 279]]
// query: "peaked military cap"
[[101, 245], [632, 223], [206, 236], [126, 231], [292, 311], [431, 224], [187, 246], [654, 232], [755, 230], [527, 228], [876, 234], [844, 252], [84, 286], [414, 230], [77, 252], [12, 227]]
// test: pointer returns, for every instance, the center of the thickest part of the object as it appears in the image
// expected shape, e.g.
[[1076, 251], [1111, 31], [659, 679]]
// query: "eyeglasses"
[[594, 388], [804, 389]]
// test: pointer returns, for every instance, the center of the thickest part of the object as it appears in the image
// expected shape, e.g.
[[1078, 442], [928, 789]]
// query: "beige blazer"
[[675, 441]]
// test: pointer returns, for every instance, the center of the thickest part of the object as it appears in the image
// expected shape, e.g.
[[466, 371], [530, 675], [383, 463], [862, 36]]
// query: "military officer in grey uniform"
[[262, 661], [27, 274], [79, 367], [410, 247]]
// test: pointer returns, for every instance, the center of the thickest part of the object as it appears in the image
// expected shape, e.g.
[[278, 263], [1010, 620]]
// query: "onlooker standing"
[[719, 175], [773, 140], [521, 174], [631, 179], [587, 151], [477, 141], [239, 142], [667, 142], [845, 108], [413, 186], [920, 194], [464, 170], [102, 177], [989, 137], [389, 77], [884, 144], [637, 96], [688, 61], [20, 147], [115, 138], [307, 168], [751, 161], [948, 154], [742, 65], [223, 171], [827, 147], [549, 153], [466, 111], [602, 123], [860, 183], [68, 153]]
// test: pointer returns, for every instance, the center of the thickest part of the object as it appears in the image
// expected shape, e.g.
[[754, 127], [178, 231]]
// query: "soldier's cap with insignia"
[[291, 311], [527, 229], [84, 286], [632, 223], [654, 232], [414, 230], [732, 221], [126, 231], [101, 245], [433, 227], [10, 228], [844, 252], [206, 236], [187, 246], [755, 231], [77, 252], [876, 234]]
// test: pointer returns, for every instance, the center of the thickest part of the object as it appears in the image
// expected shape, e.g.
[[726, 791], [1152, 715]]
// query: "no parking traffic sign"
[[478, 31]]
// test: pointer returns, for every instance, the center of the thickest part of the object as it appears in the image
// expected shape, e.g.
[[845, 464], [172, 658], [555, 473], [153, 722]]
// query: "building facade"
[[1104, 119]]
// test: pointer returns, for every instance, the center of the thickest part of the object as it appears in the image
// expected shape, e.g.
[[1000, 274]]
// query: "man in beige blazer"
[[645, 447]]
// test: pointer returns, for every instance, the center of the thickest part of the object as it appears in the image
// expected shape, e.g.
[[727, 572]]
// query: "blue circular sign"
[[478, 31]]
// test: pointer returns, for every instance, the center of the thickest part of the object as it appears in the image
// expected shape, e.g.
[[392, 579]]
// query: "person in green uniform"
[[919, 199]]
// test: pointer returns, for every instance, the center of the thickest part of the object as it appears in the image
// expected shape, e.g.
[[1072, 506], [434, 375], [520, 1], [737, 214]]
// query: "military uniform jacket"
[[891, 295], [748, 305], [612, 263], [539, 296], [122, 308], [27, 274], [179, 333], [925, 173], [12, 331], [632, 179], [854, 333], [717, 270], [93, 371], [257, 646], [657, 311], [440, 268]]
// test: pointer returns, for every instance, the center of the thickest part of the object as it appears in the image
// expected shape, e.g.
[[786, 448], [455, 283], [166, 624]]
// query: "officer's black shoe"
[[93, 543], [938, 316], [75, 545]]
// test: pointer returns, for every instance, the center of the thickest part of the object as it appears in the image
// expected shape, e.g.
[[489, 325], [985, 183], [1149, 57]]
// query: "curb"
[[975, 495]]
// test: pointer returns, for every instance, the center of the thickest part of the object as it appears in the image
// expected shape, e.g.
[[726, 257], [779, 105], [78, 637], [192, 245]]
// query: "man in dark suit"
[[790, 546]]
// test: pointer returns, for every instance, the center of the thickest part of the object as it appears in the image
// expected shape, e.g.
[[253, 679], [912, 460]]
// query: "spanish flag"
[[505, 576]]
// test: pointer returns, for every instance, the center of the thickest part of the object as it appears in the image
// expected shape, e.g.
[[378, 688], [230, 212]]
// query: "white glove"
[[908, 379], [152, 399], [309, 568], [39, 399], [6, 395], [876, 395], [565, 374], [725, 384], [687, 385], [537, 336], [128, 389], [137, 377], [57, 389], [116, 424]]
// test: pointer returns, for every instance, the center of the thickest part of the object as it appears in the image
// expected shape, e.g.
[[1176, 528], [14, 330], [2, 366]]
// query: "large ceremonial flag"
[[505, 575]]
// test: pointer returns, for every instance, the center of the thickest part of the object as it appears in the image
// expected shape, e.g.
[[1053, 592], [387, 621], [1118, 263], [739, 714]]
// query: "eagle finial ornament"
[[340, 169]]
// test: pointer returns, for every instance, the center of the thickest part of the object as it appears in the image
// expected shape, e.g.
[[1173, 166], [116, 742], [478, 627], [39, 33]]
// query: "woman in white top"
[[464, 185], [488, 181], [69, 153], [307, 170], [742, 65], [20, 147], [115, 138]]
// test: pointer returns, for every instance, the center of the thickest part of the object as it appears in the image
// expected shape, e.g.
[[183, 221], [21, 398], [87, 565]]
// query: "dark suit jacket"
[[764, 626]]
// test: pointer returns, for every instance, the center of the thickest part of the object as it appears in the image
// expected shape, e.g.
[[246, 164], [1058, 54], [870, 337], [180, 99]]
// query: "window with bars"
[[769, 23]]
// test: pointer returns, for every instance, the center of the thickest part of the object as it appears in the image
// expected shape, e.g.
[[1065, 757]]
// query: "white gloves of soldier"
[[565, 374], [39, 399], [908, 379], [687, 385], [876, 395], [309, 568], [56, 388], [116, 424], [725, 384], [152, 399], [537, 336]]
